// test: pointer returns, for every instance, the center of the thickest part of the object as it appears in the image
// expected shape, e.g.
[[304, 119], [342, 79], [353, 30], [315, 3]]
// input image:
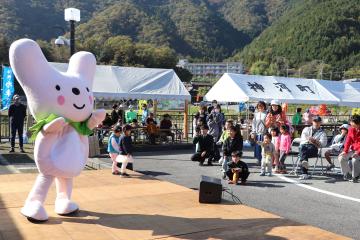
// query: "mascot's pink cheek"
[[91, 100], [61, 100]]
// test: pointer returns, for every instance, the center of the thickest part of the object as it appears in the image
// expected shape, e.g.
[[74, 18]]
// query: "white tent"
[[243, 88], [348, 92], [113, 83]]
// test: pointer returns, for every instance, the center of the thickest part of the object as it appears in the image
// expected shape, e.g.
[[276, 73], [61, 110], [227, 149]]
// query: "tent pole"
[[186, 125], [155, 102]]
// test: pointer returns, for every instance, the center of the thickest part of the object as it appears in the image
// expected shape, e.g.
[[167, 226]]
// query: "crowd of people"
[[271, 135], [148, 124]]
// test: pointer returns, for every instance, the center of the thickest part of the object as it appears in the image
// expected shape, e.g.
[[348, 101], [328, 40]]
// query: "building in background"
[[206, 69]]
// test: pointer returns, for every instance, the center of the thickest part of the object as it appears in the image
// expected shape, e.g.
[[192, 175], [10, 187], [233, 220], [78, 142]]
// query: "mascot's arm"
[[96, 118], [55, 125]]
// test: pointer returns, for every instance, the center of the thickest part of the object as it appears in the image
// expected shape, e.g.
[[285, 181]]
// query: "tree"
[[353, 72], [259, 68], [184, 74], [4, 50]]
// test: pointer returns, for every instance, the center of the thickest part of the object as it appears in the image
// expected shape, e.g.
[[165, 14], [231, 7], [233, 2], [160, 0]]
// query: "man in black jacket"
[[17, 114], [205, 149]]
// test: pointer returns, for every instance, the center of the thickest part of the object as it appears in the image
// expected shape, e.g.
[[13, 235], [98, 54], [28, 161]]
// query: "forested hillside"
[[313, 34]]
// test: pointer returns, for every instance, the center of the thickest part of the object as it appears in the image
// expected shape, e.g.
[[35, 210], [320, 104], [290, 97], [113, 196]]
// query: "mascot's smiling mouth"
[[78, 107]]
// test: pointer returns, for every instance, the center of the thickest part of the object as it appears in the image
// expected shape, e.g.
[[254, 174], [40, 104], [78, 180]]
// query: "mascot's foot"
[[34, 211], [65, 207]]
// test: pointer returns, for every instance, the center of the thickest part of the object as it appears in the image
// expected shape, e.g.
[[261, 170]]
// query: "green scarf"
[[80, 127]]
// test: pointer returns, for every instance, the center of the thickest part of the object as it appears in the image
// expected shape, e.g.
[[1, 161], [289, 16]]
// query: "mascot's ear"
[[83, 64], [28, 62]]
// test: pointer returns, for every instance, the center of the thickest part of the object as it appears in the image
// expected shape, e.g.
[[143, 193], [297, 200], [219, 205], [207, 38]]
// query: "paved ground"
[[324, 201], [273, 194]]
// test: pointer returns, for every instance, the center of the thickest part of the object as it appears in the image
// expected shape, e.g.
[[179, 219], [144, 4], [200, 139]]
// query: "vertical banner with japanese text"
[[7, 90]]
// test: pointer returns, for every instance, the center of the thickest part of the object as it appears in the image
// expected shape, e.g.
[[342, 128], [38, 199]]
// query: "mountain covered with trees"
[[314, 36]]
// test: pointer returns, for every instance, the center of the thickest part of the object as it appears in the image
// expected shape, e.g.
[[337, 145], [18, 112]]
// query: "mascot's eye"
[[87, 89], [57, 87]]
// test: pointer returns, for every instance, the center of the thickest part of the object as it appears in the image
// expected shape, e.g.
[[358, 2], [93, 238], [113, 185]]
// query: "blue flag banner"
[[7, 87]]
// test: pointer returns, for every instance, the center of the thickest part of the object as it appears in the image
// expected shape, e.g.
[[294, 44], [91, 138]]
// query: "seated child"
[[114, 148], [205, 148], [135, 123], [237, 169], [226, 133], [125, 155], [151, 130], [234, 143], [337, 146], [267, 152]]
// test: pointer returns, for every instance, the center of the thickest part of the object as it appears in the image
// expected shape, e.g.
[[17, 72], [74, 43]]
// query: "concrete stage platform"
[[141, 207]]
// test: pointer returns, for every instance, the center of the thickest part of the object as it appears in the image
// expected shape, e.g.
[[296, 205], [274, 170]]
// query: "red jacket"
[[352, 140]]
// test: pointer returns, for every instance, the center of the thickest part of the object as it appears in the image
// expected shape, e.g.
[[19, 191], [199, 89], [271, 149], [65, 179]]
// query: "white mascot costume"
[[62, 105]]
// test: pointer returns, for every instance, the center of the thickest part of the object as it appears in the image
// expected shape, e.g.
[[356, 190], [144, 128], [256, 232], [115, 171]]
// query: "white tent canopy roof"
[[243, 88], [114, 83], [347, 92]]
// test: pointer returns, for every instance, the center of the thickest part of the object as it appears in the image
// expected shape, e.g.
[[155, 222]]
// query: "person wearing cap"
[[114, 148], [237, 169], [276, 117], [312, 138], [130, 115], [351, 151], [125, 154], [17, 114], [205, 147], [336, 146]]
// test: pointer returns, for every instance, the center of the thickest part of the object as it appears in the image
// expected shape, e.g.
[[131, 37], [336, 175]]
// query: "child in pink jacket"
[[275, 139], [285, 145]]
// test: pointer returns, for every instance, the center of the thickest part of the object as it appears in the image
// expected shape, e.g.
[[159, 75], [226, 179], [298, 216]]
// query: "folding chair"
[[319, 156], [294, 151]]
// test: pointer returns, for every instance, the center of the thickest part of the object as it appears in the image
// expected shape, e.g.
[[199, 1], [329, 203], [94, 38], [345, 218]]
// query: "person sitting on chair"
[[151, 117], [205, 147], [351, 151], [237, 169], [337, 145], [165, 126], [312, 138], [151, 130]]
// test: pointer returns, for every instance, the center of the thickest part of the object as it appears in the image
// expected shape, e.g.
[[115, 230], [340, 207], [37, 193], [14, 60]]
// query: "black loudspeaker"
[[128, 166], [210, 190]]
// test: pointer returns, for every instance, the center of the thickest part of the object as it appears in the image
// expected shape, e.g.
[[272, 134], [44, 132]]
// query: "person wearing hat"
[[312, 138], [276, 117], [336, 147], [351, 151], [130, 114], [17, 114]]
